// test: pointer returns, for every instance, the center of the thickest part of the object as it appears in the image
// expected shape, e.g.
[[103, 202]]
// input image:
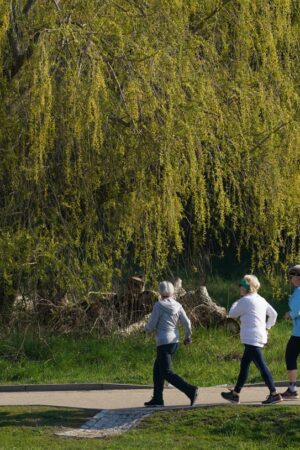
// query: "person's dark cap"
[[244, 283], [295, 270]]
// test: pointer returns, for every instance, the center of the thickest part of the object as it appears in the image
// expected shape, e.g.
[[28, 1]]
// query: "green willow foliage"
[[129, 125]]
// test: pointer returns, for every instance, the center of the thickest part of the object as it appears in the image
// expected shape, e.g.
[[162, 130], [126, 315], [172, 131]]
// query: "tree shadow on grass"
[[230, 426], [31, 416], [259, 425]]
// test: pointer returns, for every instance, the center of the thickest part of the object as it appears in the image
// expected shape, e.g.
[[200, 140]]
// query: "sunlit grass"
[[232, 427], [213, 358]]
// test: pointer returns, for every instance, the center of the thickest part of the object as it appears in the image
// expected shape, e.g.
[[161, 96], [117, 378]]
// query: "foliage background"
[[134, 131]]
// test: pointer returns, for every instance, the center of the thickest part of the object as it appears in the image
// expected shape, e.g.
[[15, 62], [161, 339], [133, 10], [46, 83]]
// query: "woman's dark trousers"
[[254, 354], [162, 371]]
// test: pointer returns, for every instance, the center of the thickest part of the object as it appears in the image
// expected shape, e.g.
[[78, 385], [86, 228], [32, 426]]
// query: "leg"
[[259, 361], [158, 375], [168, 374], [291, 354], [233, 395], [244, 369], [263, 368], [158, 381], [292, 376]]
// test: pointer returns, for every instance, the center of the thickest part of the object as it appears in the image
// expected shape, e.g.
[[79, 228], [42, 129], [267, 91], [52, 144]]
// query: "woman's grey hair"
[[253, 282], [166, 289]]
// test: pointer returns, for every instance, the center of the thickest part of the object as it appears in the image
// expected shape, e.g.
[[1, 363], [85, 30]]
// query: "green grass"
[[229, 427], [220, 427], [213, 358], [34, 427]]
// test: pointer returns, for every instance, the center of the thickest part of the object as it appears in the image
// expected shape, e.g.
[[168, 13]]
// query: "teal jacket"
[[294, 305]]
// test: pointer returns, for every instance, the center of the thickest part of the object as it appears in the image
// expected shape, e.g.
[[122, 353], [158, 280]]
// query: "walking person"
[[165, 318], [293, 346], [252, 309]]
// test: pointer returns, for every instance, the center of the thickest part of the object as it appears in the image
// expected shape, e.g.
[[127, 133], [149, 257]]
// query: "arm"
[[186, 324], [236, 310], [295, 305], [272, 317], [153, 320]]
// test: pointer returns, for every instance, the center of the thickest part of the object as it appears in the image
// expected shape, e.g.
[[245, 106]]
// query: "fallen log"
[[203, 311]]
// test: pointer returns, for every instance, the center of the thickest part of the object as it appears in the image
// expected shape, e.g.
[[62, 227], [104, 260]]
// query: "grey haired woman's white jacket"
[[165, 318]]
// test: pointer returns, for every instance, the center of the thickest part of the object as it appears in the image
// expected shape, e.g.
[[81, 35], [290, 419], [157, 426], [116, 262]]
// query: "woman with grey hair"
[[252, 309], [165, 318]]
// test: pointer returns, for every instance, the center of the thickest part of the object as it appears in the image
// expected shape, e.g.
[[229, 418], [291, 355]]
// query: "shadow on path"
[[34, 416]]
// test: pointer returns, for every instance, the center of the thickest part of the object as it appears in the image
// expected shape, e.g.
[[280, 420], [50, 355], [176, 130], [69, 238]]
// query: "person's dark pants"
[[292, 352], [162, 371], [254, 354]]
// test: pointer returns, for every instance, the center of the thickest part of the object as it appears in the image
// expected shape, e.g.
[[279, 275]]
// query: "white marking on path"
[[109, 422]]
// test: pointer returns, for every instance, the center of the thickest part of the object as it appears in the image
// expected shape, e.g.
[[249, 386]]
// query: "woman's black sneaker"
[[153, 403], [193, 397], [231, 397], [272, 398], [290, 395]]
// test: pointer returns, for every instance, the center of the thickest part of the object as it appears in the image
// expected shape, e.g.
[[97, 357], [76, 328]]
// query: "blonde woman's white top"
[[256, 316]]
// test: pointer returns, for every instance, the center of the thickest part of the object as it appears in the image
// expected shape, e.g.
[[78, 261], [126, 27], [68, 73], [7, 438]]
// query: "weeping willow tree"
[[127, 126]]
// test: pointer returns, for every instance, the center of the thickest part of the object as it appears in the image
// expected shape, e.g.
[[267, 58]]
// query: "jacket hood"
[[169, 305]]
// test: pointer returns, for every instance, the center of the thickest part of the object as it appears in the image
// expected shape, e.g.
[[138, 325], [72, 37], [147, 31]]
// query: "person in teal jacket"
[[293, 346]]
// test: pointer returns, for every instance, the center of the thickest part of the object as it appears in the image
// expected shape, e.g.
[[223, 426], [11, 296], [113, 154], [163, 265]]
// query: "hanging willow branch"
[[199, 26], [127, 139], [15, 38], [21, 49], [56, 2], [29, 4], [275, 130]]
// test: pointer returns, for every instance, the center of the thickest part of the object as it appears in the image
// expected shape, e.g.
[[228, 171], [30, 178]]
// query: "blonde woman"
[[256, 316]]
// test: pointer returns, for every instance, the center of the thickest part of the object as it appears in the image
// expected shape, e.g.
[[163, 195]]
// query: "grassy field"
[[213, 358], [37, 356], [230, 427]]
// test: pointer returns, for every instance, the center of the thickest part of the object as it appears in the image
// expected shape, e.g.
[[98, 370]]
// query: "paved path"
[[124, 398], [123, 409]]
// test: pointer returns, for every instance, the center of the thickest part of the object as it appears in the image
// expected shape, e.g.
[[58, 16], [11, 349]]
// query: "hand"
[[187, 341], [287, 316]]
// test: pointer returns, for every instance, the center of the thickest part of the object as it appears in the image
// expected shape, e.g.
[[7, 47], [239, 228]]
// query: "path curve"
[[121, 409]]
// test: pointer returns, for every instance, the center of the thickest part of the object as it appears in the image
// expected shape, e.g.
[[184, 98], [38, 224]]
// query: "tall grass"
[[37, 356], [213, 358], [238, 427]]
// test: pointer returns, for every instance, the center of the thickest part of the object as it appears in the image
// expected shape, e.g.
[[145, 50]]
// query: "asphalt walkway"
[[131, 398], [121, 407]]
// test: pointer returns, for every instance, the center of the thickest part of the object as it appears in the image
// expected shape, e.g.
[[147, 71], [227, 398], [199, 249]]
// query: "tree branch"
[[28, 6], [260, 143], [138, 5], [15, 37], [216, 10], [198, 27], [57, 4], [14, 33]]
